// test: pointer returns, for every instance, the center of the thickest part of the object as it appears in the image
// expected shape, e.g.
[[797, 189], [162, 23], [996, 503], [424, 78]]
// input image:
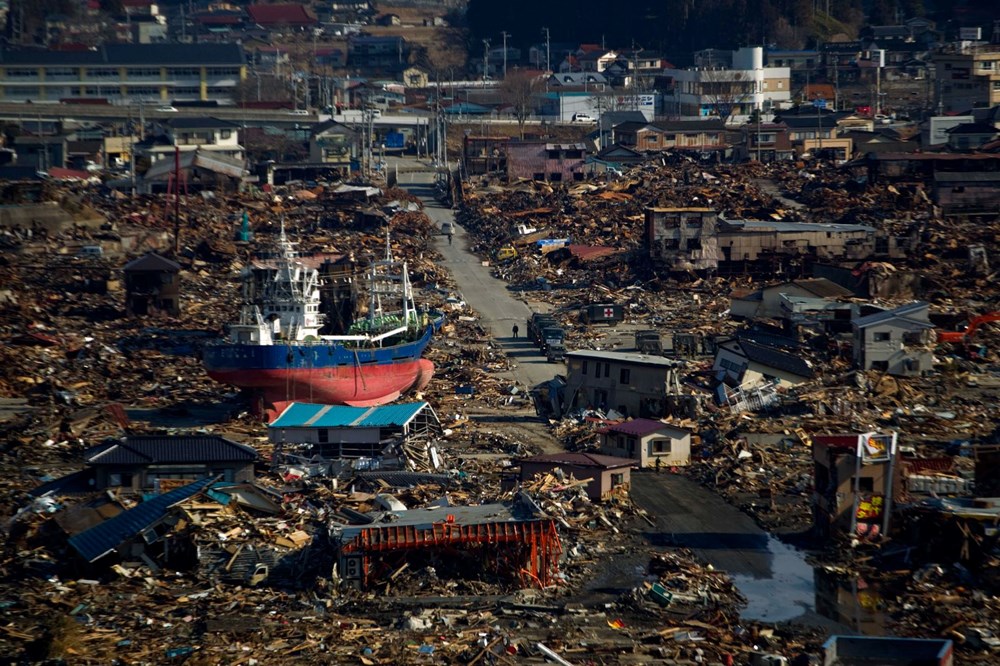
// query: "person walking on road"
[[659, 465], [515, 331], [449, 239]]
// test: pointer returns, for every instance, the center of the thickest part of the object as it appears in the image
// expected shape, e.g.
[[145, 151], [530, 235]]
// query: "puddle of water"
[[854, 603], [786, 594], [797, 591]]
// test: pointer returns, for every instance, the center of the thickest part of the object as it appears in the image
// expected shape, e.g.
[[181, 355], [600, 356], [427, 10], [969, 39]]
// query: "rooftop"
[[904, 312], [101, 539], [634, 358], [642, 427], [425, 519], [152, 262], [148, 450], [581, 460], [775, 358], [128, 54], [303, 415]]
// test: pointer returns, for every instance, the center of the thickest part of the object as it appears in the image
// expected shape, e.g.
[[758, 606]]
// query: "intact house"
[[339, 431], [766, 302], [652, 442], [210, 135], [152, 286], [552, 162], [333, 144], [856, 479], [970, 136], [604, 473], [768, 142], [817, 135], [630, 383], [898, 342], [152, 463], [699, 135], [750, 364]]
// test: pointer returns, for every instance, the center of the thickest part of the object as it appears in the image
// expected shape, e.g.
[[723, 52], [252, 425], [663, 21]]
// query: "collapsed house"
[[697, 239], [515, 542]]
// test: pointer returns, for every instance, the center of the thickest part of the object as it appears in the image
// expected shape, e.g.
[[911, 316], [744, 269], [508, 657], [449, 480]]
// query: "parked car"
[[299, 112], [166, 108], [583, 118]]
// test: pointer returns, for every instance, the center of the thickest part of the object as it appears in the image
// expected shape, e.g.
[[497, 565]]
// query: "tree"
[[726, 90], [517, 91], [262, 87]]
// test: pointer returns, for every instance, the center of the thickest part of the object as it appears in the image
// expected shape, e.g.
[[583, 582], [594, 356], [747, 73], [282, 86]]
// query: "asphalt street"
[[499, 308], [775, 578]]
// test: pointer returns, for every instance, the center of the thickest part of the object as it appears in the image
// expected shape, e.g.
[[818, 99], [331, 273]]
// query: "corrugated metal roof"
[[166, 449], [100, 540], [304, 415]]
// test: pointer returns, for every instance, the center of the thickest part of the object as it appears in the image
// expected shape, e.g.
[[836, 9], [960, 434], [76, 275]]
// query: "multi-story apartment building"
[[124, 73], [968, 76]]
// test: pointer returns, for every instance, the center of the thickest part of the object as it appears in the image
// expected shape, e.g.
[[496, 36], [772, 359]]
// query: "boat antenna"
[[388, 248]]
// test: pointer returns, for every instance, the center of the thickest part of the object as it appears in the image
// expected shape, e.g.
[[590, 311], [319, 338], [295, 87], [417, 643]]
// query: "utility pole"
[[548, 53], [486, 59], [505, 36]]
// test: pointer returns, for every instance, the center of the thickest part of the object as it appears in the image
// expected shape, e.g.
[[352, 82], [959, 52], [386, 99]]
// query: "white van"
[[446, 228], [583, 118]]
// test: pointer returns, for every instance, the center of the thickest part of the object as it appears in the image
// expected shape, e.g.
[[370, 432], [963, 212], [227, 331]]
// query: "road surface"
[[775, 578], [499, 308]]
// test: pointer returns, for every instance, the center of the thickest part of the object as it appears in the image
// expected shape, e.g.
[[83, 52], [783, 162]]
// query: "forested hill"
[[675, 28]]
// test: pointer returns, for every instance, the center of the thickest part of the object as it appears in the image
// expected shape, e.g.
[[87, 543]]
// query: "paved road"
[[775, 579], [498, 307]]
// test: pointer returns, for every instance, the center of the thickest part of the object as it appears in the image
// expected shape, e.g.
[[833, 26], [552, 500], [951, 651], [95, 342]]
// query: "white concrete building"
[[730, 93]]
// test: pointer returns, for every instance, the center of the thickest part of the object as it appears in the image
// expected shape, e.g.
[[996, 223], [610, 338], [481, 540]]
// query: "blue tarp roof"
[[304, 415], [100, 540]]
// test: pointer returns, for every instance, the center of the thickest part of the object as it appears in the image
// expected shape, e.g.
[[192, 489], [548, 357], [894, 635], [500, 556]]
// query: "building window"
[[866, 484], [617, 480], [882, 366], [120, 480], [881, 336], [607, 369], [630, 444], [323, 435], [661, 447], [624, 375], [583, 368]]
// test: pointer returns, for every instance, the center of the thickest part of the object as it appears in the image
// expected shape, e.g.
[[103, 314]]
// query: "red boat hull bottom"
[[364, 386]]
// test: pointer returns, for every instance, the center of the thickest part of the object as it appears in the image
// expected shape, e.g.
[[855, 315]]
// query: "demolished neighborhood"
[[465, 332]]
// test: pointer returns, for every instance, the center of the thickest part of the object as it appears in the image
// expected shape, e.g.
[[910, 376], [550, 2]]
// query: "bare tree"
[[726, 90], [517, 91]]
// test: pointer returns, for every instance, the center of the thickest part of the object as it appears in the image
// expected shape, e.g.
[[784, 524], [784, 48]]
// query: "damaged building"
[[514, 542]]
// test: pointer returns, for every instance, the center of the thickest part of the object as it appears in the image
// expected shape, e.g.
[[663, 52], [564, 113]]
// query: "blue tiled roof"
[[304, 415], [100, 540]]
